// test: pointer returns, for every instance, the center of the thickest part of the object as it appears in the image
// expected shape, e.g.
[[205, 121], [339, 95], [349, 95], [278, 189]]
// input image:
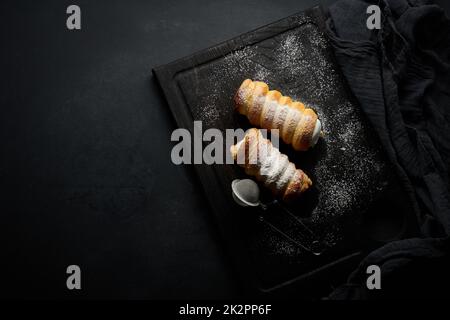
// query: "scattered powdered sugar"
[[288, 50], [281, 247], [261, 74], [241, 59], [304, 59], [351, 169], [209, 113], [339, 195]]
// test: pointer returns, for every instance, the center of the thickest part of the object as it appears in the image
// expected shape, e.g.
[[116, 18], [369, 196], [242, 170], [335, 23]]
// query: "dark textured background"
[[85, 170]]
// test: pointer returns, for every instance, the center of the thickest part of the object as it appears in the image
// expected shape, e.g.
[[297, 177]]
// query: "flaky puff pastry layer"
[[262, 160], [269, 109]]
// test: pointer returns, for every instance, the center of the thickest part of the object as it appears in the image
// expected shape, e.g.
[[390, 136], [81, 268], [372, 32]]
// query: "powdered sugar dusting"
[[350, 165], [209, 112]]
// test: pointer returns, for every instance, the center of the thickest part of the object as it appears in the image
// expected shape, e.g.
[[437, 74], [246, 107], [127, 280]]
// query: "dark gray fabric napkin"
[[400, 75]]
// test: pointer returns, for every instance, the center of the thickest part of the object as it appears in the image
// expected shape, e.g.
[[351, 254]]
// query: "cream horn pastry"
[[268, 165], [269, 109]]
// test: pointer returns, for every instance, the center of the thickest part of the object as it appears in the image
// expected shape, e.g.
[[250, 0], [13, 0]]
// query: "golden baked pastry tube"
[[268, 165], [269, 109]]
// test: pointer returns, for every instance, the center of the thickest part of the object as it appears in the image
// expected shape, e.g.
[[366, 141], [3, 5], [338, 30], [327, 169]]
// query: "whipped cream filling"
[[316, 133]]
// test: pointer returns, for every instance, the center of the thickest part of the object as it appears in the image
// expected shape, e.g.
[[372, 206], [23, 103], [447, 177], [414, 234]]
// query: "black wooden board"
[[348, 169]]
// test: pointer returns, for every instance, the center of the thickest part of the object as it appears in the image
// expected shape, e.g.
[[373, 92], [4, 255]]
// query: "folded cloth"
[[400, 76]]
